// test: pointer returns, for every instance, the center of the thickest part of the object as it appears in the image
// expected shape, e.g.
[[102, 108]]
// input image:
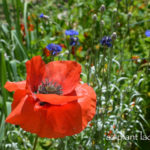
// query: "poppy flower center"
[[50, 87]]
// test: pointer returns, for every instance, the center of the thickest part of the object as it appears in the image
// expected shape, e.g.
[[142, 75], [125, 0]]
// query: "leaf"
[[2, 128], [122, 78], [14, 69], [142, 117], [3, 76]]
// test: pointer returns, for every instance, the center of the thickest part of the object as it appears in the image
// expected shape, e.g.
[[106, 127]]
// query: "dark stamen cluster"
[[43, 103], [50, 87]]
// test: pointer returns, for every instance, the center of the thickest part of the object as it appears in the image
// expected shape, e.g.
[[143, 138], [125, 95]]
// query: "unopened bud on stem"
[[102, 8], [94, 17], [118, 24], [129, 14], [115, 10], [102, 22], [114, 35]]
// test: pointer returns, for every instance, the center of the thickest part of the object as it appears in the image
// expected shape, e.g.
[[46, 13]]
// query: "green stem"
[[69, 54], [35, 142]]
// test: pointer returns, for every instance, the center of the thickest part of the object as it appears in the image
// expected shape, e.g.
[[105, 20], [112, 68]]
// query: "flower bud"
[[142, 75], [118, 24], [139, 60], [114, 35], [94, 17], [102, 8], [135, 76], [102, 22], [129, 14], [44, 16], [115, 10]]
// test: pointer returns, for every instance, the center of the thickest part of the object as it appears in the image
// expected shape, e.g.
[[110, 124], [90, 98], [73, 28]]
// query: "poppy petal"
[[56, 99], [33, 116], [87, 102], [65, 73], [25, 115], [71, 118], [48, 121], [18, 95], [35, 71], [61, 121], [15, 115], [13, 86]]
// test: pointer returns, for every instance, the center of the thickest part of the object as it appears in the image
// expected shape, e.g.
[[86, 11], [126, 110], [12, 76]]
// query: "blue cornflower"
[[71, 32], [54, 48], [41, 15], [44, 16], [106, 41], [147, 33], [74, 41]]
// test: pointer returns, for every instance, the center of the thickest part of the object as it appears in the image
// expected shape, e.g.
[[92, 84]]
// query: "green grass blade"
[[26, 25], [6, 12], [22, 50], [14, 69], [3, 75]]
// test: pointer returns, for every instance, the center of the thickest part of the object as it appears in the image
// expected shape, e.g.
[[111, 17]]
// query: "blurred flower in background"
[[147, 33], [63, 45], [135, 58], [106, 41], [31, 27], [74, 41], [54, 48], [71, 32], [43, 16], [46, 52]]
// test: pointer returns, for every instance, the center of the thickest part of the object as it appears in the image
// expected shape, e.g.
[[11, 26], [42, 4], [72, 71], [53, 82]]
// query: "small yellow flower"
[[148, 94], [123, 116], [93, 142], [135, 57], [97, 47], [106, 66], [133, 104]]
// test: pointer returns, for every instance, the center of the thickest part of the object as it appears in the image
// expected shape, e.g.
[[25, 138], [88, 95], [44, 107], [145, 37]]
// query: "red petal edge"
[[13, 86]]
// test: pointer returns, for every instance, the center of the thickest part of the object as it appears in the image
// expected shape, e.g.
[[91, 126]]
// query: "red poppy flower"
[[46, 52], [51, 102], [135, 58], [86, 35], [12, 28], [80, 49], [22, 27], [31, 27], [29, 18], [63, 45]]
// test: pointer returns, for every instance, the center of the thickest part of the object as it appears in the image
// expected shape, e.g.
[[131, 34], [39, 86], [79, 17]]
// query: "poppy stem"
[[35, 142]]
